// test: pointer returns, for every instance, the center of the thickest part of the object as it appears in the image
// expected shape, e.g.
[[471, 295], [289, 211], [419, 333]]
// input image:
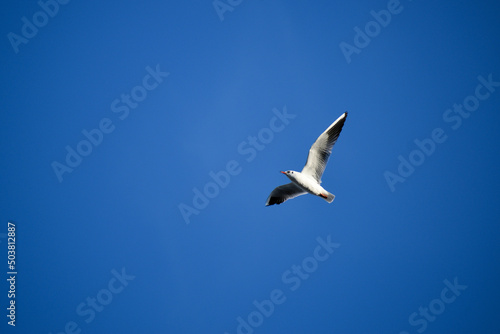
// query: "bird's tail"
[[329, 197]]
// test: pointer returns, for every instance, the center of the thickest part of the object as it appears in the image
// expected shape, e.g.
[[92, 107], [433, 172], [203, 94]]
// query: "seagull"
[[309, 179]]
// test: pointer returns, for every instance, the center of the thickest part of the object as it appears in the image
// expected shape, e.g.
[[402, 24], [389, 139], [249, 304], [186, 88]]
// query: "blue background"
[[119, 209]]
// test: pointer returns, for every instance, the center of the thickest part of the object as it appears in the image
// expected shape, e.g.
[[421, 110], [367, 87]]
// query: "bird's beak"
[[283, 172]]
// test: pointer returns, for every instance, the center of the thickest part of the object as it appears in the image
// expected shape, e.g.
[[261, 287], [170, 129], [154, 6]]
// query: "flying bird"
[[309, 179]]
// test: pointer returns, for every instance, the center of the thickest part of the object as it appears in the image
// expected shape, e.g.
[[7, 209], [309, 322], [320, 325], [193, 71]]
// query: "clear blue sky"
[[114, 116]]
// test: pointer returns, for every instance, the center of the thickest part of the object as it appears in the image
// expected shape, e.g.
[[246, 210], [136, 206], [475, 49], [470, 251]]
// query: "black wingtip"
[[274, 200]]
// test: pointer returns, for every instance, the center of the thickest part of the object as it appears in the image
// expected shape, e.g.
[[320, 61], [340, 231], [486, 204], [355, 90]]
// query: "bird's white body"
[[309, 179], [309, 184]]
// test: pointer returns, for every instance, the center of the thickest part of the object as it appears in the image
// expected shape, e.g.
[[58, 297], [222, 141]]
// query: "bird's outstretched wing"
[[283, 193], [322, 148]]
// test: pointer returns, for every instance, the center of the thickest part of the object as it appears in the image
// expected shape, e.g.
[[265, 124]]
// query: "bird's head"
[[289, 173]]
